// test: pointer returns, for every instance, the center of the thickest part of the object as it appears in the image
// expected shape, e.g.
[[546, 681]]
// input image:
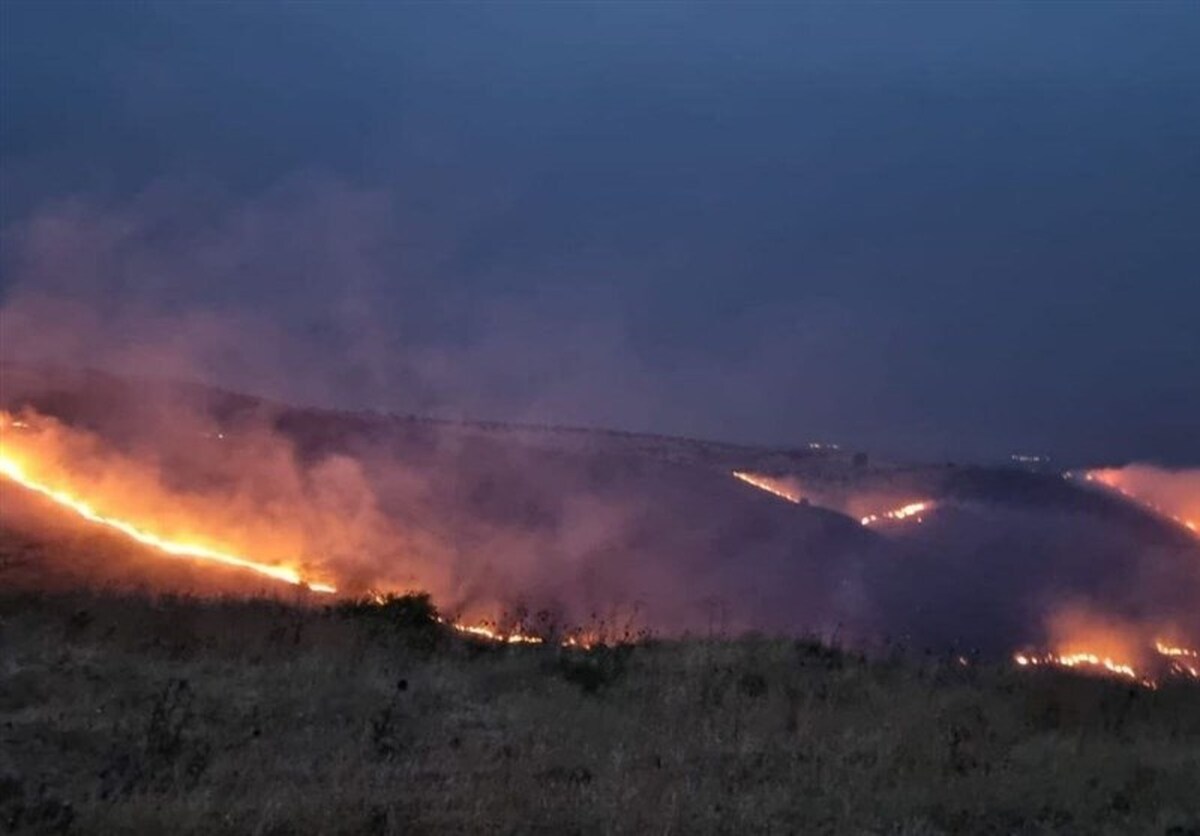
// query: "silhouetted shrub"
[[596, 668], [412, 610], [815, 653], [412, 617]]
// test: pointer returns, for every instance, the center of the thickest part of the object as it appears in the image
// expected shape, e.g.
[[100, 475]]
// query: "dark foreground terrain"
[[123, 713]]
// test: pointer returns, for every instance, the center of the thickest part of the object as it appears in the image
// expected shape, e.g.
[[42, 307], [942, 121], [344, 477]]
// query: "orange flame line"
[[913, 509], [764, 485], [1175, 656], [1110, 483], [14, 472], [485, 632]]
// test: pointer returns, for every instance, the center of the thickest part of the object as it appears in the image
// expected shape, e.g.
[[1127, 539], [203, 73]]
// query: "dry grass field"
[[125, 713]]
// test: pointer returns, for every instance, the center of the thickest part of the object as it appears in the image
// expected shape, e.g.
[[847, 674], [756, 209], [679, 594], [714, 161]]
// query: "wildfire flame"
[[483, 631], [492, 634], [1180, 661], [1184, 660], [778, 488], [1076, 660], [25, 462], [16, 467], [904, 512], [14, 472], [1111, 479], [768, 485], [1169, 650], [1124, 650]]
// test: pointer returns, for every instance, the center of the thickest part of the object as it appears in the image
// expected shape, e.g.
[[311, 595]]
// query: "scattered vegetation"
[[413, 612], [594, 668], [411, 618], [134, 714]]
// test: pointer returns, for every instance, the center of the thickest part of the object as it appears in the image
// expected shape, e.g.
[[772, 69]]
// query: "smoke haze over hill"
[[503, 524], [802, 230]]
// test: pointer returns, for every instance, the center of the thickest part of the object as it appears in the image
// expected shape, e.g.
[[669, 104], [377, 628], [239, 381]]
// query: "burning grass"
[[1173, 495], [41, 457], [784, 489], [138, 714]]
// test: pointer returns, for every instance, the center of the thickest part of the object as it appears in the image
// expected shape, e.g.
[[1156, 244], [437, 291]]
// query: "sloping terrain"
[[495, 523], [123, 714], [583, 526]]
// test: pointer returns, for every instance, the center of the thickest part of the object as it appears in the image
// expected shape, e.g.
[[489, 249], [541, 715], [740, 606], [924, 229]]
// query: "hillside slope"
[[579, 526]]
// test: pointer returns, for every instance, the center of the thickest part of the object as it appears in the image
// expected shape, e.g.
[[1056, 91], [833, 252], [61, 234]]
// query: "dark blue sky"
[[945, 229]]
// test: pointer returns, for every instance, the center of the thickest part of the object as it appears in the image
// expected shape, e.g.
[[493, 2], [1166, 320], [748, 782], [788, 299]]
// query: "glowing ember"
[[483, 631], [1184, 661], [779, 488], [1078, 660], [13, 471], [763, 483], [1179, 662], [904, 512], [487, 632], [1169, 650]]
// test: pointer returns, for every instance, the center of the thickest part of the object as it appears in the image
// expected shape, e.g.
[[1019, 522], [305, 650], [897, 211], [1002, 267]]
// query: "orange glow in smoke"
[[1179, 662], [13, 471], [1096, 642], [36, 458], [31, 465], [25, 464], [1168, 497]]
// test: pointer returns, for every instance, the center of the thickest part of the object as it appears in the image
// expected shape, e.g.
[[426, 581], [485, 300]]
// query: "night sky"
[[944, 230]]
